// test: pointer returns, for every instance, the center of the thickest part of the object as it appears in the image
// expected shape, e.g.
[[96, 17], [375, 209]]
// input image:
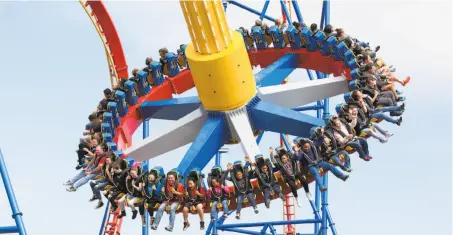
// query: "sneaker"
[[390, 66], [349, 170], [399, 121], [398, 92], [94, 198], [377, 48], [99, 205], [403, 106], [401, 99], [345, 177], [153, 227], [186, 226], [256, 211], [388, 134], [78, 167], [151, 220], [238, 216], [267, 203], [170, 229], [322, 189], [298, 203], [383, 141], [143, 221], [122, 214], [71, 189], [282, 196], [134, 214], [68, 183], [309, 196], [225, 215], [201, 225]]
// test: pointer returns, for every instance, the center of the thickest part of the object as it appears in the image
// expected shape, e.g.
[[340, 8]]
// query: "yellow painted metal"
[[97, 26], [224, 80], [217, 57]]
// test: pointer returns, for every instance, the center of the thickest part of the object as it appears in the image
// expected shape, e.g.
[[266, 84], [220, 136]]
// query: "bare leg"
[[200, 211], [185, 214]]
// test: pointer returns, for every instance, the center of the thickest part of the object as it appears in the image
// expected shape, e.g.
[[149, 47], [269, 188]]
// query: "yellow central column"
[[217, 57]]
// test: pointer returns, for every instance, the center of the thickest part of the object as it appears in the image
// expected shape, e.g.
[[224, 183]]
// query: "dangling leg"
[[185, 215], [252, 201], [201, 215], [159, 214]]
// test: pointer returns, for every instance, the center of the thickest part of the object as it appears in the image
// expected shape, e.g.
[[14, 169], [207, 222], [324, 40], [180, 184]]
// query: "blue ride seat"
[[248, 40], [121, 105], [182, 59], [338, 108], [294, 37], [111, 146], [355, 74], [172, 64], [277, 37], [107, 137], [349, 55], [118, 154], [107, 117], [306, 35], [329, 46], [312, 43], [157, 74], [339, 53], [106, 128], [113, 109], [131, 94], [143, 87], [319, 38], [354, 85], [347, 97], [259, 38], [352, 64]]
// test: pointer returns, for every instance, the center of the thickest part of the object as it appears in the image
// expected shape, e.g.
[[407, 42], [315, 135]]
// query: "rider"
[[218, 195], [286, 163], [151, 193], [100, 184], [171, 192], [134, 186], [262, 170], [194, 201], [240, 176]]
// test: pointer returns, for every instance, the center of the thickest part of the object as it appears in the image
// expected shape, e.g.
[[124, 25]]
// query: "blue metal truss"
[[17, 215], [276, 72]]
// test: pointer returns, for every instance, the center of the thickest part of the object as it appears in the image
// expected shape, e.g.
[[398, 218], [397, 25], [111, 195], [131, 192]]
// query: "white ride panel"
[[182, 132], [296, 94], [239, 124]]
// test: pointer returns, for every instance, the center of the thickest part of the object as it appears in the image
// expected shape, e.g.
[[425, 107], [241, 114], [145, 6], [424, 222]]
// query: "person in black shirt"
[[119, 189], [240, 176], [151, 193], [286, 163], [134, 186], [311, 161], [262, 170]]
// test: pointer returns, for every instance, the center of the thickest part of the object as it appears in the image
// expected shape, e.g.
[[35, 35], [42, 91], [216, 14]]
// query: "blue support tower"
[[145, 229], [17, 215]]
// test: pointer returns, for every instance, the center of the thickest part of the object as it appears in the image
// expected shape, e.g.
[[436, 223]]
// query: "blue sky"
[[54, 70]]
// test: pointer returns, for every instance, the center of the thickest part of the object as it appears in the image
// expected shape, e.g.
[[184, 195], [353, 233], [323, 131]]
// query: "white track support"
[[182, 132], [239, 124], [296, 94]]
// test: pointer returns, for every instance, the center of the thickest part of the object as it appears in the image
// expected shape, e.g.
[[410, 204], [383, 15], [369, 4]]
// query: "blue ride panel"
[[111, 146], [118, 154], [107, 137], [329, 46], [355, 74], [157, 73], [341, 49], [131, 95], [107, 117], [112, 108], [182, 59], [248, 41], [294, 38], [353, 85], [352, 64], [121, 105], [338, 108], [158, 171], [306, 35], [312, 44], [349, 55], [130, 161], [172, 64], [347, 97], [171, 109], [277, 37], [259, 38], [270, 117], [209, 140], [319, 38], [275, 73], [105, 128], [143, 87]]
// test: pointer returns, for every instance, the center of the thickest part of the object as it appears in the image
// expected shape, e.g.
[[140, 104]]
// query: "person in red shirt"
[[193, 201], [171, 197]]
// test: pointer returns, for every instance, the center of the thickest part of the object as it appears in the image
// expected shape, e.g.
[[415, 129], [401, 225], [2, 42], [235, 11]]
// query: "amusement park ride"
[[233, 106]]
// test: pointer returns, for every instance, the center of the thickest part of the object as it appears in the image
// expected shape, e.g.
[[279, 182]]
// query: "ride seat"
[[259, 38], [121, 105], [131, 94], [157, 74], [277, 37], [172, 64], [294, 37], [142, 85], [113, 109]]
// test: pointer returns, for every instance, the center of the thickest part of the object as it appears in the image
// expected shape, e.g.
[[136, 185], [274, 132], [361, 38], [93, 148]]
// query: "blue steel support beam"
[[17, 215], [326, 6], [260, 136], [251, 10], [285, 141], [285, 11], [331, 223], [297, 10], [171, 109], [324, 206], [263, 12], [317, 205], [271, 117], [9, 229], [275, 73], [307, 108], [209, 140], [105, 218], [145, 229], [260, 224], [225, 5]]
